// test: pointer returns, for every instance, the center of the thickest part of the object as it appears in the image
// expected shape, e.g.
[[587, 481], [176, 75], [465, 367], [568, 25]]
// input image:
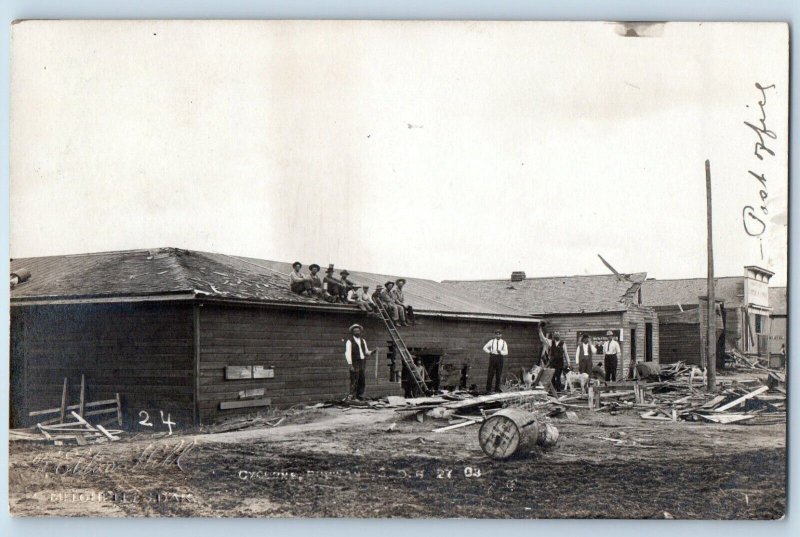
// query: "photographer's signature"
[[754, 216]]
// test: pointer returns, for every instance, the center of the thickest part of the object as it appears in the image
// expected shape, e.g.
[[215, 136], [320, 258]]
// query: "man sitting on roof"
[[400, 301], [360, 298], [348, 285], [383, 298], [397, 311], [298, 282], [316, 281], [334, 286]]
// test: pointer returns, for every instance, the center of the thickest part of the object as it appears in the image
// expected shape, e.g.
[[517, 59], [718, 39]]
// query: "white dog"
[[529, 377], [574, 378], [698, 372]]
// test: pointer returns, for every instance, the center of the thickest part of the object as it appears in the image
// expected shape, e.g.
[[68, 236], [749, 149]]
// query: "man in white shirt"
[[496, 348], [356, 352], [584, 355], [612, 352]]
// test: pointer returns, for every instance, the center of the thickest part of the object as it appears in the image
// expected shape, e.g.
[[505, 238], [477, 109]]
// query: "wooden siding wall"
[[637, 317], [569, 326], [680, 341], [144, 352], [306, 349]]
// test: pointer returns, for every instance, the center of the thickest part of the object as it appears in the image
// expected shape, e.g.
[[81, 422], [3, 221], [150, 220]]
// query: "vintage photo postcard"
[[398, 269]]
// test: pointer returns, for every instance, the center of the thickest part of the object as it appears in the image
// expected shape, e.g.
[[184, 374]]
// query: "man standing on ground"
[[557, 356], [584, 355], [356, 352], [612, 352], [497, 349]]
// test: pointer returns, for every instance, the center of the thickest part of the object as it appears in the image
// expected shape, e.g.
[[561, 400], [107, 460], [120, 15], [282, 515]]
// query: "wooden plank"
[[464, 423], [238, 372], [72, 407], [742, 399], [119, 409], [83, 395], [262, 372], [256, 392], [227, 405], [63, 409], [106, 433], [727, 418]]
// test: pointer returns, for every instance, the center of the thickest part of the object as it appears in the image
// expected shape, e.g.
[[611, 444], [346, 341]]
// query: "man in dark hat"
[[334, 286], [584, 354], [400, 301], [556, 356], [397, 313], [348, 285], [497, 349], [611, 353], [298, 282], [316, 281], [356, 352]]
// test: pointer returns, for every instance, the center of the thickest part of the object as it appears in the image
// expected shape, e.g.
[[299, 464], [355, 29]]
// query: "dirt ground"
[[336, 462]]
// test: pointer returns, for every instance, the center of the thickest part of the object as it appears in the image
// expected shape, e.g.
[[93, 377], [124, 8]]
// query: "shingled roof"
[[655, 293], [562, 294], [175, 273]]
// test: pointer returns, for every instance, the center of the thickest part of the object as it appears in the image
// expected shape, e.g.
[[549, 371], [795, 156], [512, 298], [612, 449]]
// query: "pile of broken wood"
[[463, 409], [67, 425], [740, 361], [683, 398], [679, 396]]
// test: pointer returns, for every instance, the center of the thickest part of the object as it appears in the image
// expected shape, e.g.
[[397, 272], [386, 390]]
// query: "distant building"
[[777, 324], [577, 305], [744, 310]]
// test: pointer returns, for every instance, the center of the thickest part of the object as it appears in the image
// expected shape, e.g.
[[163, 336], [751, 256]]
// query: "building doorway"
[[648, 342]]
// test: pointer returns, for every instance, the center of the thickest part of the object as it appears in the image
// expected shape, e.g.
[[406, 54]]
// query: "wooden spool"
[[513, 430]]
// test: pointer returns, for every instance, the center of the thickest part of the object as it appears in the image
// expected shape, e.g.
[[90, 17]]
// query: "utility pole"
[[711, 355]]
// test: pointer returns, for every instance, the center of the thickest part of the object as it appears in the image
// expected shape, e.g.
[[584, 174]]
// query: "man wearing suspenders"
[[497, 349]]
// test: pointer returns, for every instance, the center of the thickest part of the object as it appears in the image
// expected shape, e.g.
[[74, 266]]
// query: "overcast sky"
[[440, 150]]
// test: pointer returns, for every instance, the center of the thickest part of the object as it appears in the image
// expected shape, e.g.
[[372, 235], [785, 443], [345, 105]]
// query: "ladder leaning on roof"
[[399, 344]]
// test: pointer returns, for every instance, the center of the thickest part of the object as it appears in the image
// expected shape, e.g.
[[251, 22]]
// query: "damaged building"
[[577, 305], [203, 336]]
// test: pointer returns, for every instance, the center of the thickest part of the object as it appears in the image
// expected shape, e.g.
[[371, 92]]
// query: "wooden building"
[[777, 326], [202, 336], [577, 305], [744, 303]]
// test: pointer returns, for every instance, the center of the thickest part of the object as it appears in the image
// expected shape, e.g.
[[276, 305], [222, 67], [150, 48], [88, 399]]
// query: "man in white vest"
[[356, 352], [497, 349]]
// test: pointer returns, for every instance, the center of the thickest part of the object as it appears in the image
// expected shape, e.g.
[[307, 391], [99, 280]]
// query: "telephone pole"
[[711, 355]]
